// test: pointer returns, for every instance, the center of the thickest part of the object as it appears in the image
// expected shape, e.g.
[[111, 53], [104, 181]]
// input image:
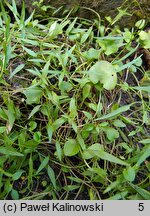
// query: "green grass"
[[64, 133]]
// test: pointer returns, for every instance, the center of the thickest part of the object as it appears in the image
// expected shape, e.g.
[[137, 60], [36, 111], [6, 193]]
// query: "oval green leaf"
[[71, 147]]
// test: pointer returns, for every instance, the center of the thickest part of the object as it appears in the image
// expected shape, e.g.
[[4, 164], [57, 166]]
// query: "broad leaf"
[[103, 72], [33, 94], [91, 54], [111, 133], [129, 174], [118, 123], [145, 39], [71, 147]]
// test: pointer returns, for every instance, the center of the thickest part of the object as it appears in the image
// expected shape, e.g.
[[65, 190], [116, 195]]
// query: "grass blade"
[[51, 175], [109, 157], [19, 68], [144, 154], [144, 193], [10, 151], [42, 165], [126, 56], [119, 196], [129, 64], [115, 112]]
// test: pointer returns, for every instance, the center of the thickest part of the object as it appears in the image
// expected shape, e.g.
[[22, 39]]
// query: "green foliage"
[[71, 148], [145, 39], [74, 108], [104, 73], [33, 95]]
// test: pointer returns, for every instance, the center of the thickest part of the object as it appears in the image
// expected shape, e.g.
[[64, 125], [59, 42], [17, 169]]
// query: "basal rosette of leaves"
[[74, 112]]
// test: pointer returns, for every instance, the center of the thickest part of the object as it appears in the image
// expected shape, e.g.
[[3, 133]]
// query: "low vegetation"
[[74, 108]]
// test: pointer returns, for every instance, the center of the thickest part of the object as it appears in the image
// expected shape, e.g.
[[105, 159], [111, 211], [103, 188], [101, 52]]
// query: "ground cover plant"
[[74, 108]]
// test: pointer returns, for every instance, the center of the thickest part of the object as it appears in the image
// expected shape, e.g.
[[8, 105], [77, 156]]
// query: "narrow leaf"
[[59, 151], [118, 196], [109, 157], [145, 194], [144, 154], [42, 165], [49, 131], [35, 109], [10, 151], [30, 52], [115, 112], [145, 141], [17, 175], [52, 177], [129, 64], [19, 68]]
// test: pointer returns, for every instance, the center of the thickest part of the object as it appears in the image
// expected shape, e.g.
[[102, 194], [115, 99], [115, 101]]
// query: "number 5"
[[141, 206]]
